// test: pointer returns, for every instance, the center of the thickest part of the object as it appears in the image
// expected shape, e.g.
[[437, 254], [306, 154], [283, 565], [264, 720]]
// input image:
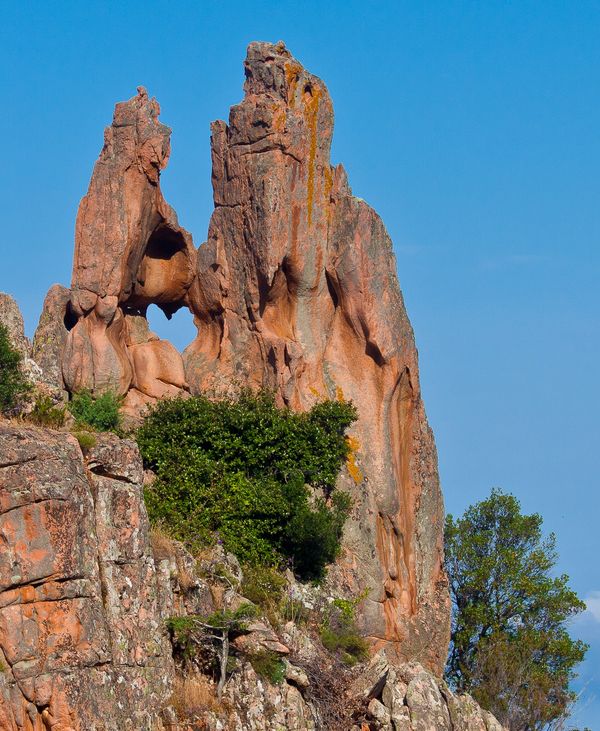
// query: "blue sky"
[[472, 128]]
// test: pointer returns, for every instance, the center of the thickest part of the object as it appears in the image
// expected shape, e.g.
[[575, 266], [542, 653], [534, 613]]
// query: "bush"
[[339, 633], [100, 413], [45, 413], [14, 387], [263, 585], [269, 665], [243, 469]]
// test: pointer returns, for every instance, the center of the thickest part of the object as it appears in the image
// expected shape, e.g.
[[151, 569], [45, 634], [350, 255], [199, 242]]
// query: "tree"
[[14, 387], [215, 632], [510, 647]]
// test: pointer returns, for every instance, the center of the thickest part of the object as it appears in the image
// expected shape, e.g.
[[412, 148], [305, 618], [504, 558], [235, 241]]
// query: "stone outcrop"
[[85, 589], [82, 639], [295, 290], [129, 252]]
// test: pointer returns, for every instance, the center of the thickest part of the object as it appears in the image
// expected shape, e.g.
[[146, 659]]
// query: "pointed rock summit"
[[295, 290]]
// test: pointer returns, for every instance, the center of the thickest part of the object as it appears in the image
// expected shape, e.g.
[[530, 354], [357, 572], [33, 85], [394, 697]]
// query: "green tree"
[[510, 647], [260, 477], [14, 387]]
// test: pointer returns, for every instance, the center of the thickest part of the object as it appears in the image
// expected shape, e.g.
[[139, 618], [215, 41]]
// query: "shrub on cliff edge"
[[258, 477], [14, 387], [99, 412]]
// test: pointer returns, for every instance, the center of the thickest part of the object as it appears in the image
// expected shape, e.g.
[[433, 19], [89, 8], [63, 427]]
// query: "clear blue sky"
[[473, 128]]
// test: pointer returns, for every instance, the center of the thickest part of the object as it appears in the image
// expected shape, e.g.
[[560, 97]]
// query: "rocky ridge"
[[295, 290], [85, 593]]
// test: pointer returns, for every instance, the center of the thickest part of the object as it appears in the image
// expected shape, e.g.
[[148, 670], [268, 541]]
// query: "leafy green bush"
[[45, 413], [14, 387], [339, 633], [243, 470], [101, 412], [269, 665]]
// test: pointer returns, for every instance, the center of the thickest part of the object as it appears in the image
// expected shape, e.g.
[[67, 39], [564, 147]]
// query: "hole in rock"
[[165, 272], [70, 318], [179, 330]]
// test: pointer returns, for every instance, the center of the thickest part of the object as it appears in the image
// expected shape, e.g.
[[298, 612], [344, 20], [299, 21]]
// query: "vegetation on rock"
[[14, 387], [46, 413], [100, 412], [258, 477], [510, 647], [191, 632], [339, 633]]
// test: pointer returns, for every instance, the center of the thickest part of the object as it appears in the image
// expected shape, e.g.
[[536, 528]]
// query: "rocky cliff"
[[295, 290], [84, 595]]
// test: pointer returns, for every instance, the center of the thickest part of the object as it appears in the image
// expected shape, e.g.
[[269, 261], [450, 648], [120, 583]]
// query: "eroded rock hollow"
[[295, 290]]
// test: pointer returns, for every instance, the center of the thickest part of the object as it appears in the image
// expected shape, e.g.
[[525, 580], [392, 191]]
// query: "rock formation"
[[297, 291], [82, 641], [129, 252], [294, 290], [84, 595]]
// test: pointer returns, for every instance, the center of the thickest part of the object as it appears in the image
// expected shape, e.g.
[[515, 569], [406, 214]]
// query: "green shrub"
[[243, 469], [101, 412], [263, 585], [339, 633], [269, 665], [86, 439], [14, 387], [45, 413]]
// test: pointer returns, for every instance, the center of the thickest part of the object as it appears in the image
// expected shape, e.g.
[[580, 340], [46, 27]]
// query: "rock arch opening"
[[179, 329], [165, 271]]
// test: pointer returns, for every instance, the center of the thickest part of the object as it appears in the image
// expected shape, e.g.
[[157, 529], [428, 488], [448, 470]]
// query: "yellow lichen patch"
[[279, 117], [310, 99], [353, 469], [292, 76], [314, 391], [339, 393]]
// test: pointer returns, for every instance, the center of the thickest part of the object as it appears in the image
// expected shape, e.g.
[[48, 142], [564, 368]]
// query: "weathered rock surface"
[[82, 640], [51, 334], [12, 319], [129, 252], [84, 592], [295, 290]]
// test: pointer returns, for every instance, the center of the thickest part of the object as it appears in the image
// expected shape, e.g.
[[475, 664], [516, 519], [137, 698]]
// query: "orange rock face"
[[295, 290], [129, 252], [82, 641]]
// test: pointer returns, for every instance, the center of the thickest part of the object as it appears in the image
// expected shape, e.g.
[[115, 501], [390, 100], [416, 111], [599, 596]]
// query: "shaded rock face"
[[82, 641], [294, 290]]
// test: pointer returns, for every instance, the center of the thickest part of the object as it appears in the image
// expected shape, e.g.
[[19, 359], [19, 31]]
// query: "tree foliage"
[[510, 647], [14, 387], [260, 477]]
